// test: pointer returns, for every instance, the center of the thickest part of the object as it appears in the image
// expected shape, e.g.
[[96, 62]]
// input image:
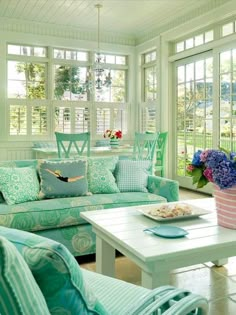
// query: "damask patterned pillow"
[[57, 273], [19, 293], [100, 175], [19, 184], [132, 175], [64, 178]]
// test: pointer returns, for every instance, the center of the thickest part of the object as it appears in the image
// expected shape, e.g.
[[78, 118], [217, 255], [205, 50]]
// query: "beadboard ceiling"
[[130, 18]]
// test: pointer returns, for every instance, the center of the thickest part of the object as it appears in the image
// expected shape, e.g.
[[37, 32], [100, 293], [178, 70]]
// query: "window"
[[194, 41], [26, 80], [27, 90], [69, 99], [228, 29], [194, 106], [69, 82], [228, 100], [116, 65], [148, 107], [26, 50]]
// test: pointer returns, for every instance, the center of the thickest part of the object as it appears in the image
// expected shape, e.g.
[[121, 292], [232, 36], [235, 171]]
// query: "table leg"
[[105, 258], [220, 262], [154, 280]]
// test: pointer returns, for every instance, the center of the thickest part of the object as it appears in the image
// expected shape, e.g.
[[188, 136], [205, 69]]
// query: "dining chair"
[[72, 143], [144, 146], [160, 153]]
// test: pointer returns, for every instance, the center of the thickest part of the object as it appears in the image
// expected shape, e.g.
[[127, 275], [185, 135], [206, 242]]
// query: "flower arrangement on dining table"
[[113, 134], [216, 166]]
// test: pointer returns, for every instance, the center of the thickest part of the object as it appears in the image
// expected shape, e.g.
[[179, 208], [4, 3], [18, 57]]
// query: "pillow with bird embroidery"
[[65, 178]]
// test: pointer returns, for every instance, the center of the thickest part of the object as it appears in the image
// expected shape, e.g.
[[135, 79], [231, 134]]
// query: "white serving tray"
[[196, 212]]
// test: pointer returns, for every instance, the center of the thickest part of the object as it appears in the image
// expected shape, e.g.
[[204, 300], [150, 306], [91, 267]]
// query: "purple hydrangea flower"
[[214, 158], [224, 175]]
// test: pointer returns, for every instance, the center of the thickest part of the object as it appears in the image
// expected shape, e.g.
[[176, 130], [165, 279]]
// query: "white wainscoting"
[[16, 151]]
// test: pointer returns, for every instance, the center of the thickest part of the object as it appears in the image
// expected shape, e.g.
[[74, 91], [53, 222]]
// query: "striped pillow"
[[19, 293]]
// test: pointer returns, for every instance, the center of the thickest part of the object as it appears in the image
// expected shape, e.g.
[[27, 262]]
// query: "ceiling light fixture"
[[102, 76]]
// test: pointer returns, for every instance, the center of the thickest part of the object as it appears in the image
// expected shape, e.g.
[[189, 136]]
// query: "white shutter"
[[18, 120]]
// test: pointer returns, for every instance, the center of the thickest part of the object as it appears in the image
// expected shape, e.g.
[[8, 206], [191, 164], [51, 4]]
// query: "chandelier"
[[100, 76]]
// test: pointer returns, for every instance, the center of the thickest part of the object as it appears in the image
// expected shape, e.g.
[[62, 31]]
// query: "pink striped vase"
[[226, 206]]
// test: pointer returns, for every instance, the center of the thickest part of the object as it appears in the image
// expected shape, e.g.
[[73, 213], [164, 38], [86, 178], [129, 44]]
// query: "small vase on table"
[[114, 143]]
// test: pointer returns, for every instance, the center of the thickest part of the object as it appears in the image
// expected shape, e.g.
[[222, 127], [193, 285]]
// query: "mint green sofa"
[[59, 219]]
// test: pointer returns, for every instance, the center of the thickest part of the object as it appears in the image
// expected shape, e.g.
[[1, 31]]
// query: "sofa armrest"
[[164, 187]]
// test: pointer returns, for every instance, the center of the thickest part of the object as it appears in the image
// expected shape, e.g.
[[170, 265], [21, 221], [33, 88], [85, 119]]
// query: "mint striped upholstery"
[[115, 295], [57, 273], [122, 298], [19, 293]]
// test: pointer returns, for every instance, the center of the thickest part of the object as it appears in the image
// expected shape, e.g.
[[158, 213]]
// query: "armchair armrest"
[[168, 300], [164, 187]]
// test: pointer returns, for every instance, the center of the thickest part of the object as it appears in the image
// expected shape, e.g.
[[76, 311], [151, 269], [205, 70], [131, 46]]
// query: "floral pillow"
[[100, 175], [64, 178], [19, 184]]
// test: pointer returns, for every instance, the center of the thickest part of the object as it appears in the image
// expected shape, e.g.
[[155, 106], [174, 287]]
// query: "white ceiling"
[[131, 18]]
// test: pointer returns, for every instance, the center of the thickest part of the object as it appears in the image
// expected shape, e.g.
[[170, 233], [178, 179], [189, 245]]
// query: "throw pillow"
[[100, 177], [57, 273], [19, 184], [64, 178], [19, 293], [132, 175]]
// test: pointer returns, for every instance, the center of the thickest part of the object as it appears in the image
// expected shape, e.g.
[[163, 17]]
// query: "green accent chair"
[[145, 146], [68, 289], [160, 153], [69, 144]]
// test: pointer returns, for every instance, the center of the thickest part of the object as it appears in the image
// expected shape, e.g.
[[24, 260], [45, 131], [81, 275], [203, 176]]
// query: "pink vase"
[[226, 206]]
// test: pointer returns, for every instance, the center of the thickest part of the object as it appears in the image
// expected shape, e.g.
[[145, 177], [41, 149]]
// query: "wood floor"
[[218, 284]]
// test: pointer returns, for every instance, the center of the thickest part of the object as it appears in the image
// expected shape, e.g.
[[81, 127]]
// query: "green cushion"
[[100, 175], [57, 274], [132, 175], [65, 178], [19, 184], [19, 293]]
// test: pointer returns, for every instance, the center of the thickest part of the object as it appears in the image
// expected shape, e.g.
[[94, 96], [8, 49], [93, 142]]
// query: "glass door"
[[194, 111], [205, 107]]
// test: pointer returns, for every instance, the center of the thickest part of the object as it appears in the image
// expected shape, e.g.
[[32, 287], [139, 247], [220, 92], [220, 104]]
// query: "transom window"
[[194, 41]]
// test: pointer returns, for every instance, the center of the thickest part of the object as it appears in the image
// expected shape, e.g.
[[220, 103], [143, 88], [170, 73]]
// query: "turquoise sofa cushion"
[[19, 293], [132, 175], [57, 273], [100, 175], [63, 178], [19, 184], [54, 213]]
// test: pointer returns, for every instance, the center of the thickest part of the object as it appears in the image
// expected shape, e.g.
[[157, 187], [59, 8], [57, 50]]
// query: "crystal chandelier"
[[102, 77]]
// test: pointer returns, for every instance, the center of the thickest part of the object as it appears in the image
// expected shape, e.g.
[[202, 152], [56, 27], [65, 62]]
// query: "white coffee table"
[[122, 229]]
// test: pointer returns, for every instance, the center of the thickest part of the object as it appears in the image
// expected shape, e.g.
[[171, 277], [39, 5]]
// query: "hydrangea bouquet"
[[216, 166], [113, 134]]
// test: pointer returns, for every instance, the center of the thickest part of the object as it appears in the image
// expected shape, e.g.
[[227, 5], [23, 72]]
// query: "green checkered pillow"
[[100, 175], [57, 273], [19, 184], [19, 292], [132, 175]]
